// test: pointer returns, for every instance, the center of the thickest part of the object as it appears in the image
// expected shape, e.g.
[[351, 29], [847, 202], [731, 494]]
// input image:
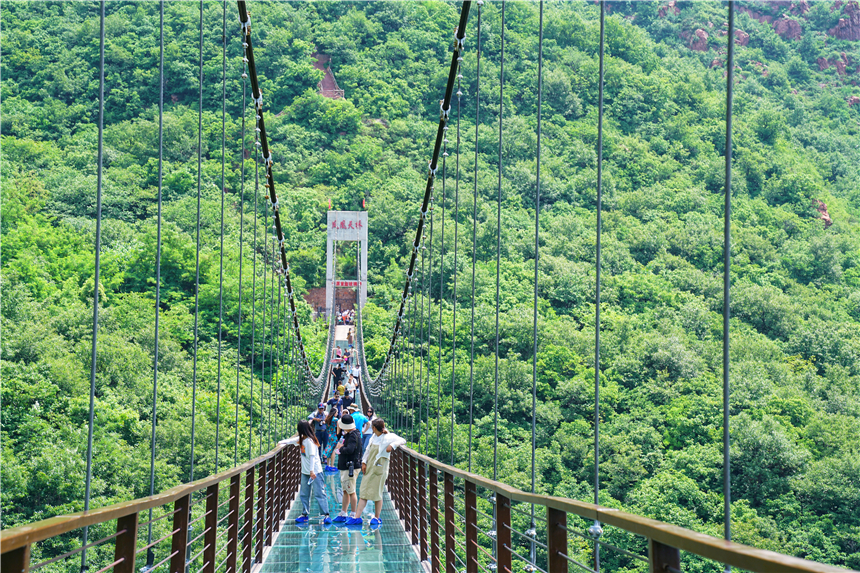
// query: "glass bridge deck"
[[338, 548]]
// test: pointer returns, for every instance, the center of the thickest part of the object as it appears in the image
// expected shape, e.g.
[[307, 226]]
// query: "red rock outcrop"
[[822, 211], [742, 38], [717, 62], [836, 5], [787, 28], [668, 8], [848, 27], [699, 41], [853, 100], [840, 64], [800, 8], [756, 15]]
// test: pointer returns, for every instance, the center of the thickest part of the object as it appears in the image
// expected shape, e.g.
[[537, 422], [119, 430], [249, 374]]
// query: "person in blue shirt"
[[317, 420], [359, 419], [337, 403]]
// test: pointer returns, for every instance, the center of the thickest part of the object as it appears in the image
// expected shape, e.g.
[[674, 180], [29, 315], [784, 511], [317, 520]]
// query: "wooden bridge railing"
[[225, 519], [443, 509]]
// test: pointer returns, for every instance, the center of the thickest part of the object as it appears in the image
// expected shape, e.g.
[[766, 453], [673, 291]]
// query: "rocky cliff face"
[[848, 27], [787, 28]]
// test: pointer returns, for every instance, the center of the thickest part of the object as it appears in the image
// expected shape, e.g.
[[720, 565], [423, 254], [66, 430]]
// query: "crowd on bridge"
[[338, 438]]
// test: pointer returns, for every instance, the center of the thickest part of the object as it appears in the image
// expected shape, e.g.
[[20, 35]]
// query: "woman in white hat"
[[374, 466], [348, 462]]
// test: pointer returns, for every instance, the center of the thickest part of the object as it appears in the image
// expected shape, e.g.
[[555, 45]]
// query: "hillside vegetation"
[[795, 359]]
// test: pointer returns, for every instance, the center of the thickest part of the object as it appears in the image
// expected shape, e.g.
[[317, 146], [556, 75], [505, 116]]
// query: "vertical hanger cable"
[[96, 279]]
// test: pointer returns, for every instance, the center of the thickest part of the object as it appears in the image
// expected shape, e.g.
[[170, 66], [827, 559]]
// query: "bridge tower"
[[346, 226]]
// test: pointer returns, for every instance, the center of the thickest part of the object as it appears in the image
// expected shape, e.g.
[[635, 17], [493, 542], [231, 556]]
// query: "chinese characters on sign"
[[347, 283], [344, 224]]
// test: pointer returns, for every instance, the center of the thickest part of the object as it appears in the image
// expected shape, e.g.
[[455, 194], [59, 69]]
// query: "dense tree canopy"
[[795, 416]]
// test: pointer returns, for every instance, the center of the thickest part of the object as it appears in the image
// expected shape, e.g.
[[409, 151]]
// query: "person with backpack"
[[331, 431], [311, 470], [374, 465], [349, 464]]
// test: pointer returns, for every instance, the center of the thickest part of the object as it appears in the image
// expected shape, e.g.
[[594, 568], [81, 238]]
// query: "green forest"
[[795, 342]]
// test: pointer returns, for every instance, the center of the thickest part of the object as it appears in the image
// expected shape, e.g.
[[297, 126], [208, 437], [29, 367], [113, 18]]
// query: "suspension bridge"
[[436, 517]]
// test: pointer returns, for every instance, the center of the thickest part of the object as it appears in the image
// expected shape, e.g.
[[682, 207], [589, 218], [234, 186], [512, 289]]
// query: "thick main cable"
[[445, 109]]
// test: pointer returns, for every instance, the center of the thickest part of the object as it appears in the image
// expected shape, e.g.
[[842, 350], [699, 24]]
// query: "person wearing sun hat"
[[348, 462], [360, 421]]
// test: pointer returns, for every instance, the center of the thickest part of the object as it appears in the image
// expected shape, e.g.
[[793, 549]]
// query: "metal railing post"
[[261, 511], [435, 562], [422, 509], [413, 498], [233, 523], [472, 528], [450, 564], [16, 561], [126, 543], [503, 533], [210, 535], [279, 491], [179, 542], [556, 536], [662, 557], [270, 498], [248, 536]]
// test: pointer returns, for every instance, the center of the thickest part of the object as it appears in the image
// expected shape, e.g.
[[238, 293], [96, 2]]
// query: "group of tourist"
[[346, 317], [361, 443]]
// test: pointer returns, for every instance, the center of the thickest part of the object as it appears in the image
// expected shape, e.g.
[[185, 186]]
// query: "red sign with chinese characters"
[[347, 283], [345, 224]]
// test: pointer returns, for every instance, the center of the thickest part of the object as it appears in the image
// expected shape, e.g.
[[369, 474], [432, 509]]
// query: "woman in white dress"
[[374, 469]]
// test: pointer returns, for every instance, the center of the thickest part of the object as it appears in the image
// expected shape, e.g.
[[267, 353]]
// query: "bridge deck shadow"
[[338, 548]]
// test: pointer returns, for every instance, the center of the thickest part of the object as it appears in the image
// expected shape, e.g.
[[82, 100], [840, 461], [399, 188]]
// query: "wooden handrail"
[[727, 552], [22, 535]]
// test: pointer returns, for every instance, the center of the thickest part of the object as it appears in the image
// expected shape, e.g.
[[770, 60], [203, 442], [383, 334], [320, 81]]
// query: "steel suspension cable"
[[474, 234], [197, 249], [241, 251], [537, 259], [96, 278], [498, 276], [277, 371], [150, 554], [498, 254], [263, 322], [595, 529], [254, 298], [221, 248], [441, 300], [412, 374], [727, 267], [425, 339], [456, 270], [272, 348]]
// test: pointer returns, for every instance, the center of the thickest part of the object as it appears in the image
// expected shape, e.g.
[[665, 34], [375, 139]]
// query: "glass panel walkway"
[[338, 548]]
